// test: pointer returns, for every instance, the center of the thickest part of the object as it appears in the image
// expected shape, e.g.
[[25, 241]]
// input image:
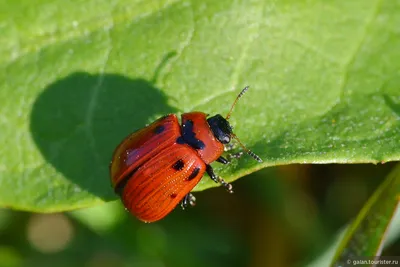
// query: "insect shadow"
[[79, 120]]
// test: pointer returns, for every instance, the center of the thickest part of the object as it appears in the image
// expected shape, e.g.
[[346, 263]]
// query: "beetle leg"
[[223, 160], [228, 147], [236, 155], [218, 179], [187, 200]]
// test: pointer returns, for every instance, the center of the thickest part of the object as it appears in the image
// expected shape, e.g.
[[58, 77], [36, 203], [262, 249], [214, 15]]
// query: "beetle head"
[[222, 130]]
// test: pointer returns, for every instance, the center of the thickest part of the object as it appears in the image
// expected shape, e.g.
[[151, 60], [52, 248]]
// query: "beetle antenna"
[[248, 151], [236, 100]]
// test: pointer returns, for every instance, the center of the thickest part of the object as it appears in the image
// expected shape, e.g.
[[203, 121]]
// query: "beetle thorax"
[[199, 134]]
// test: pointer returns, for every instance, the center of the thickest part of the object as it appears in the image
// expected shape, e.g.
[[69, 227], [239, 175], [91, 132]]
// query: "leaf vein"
[[253, 35], [67, 33], [358, 48], [183, 46]]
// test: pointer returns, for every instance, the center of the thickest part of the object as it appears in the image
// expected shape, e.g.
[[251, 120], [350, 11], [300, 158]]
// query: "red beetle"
[[156, 167]]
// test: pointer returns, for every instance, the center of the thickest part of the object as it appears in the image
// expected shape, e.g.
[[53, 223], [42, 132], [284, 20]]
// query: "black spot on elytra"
[[190, 137], [173, 195], [180, 140], [178, 166], [159, 129], [194, 174]]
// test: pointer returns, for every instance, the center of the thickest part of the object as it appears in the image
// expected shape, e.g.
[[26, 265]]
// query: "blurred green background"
[[281, 216]]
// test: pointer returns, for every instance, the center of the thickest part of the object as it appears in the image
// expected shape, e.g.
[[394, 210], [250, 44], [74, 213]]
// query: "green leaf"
[[366, 235], [77, 77]]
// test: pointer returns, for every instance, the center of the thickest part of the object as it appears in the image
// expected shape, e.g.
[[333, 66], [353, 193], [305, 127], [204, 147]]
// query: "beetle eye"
[[226, 139]]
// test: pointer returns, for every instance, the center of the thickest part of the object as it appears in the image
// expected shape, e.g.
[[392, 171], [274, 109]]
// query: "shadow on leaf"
[[78, 121]]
